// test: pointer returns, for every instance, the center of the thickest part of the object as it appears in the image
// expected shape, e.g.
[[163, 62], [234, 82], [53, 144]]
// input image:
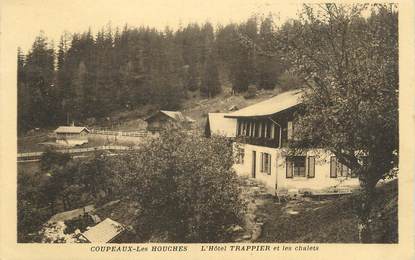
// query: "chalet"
[[71, 135], [167, 119], [106, 231], [218, 124], [262, 133]]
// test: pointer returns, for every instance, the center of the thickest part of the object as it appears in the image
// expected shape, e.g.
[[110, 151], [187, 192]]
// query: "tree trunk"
[[367, 196]]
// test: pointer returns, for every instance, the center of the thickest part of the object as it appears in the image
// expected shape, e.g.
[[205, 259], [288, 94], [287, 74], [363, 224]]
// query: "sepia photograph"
[[251, 122]]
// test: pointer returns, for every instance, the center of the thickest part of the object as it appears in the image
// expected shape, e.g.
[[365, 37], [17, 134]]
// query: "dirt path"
[[255, 196]]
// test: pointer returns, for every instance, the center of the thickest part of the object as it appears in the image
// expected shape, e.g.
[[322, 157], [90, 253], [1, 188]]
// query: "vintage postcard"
[[207, 129]]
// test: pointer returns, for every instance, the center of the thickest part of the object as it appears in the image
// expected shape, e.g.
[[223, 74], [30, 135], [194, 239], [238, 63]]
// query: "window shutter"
[[311, 166], [262, 162], [333, 167], [339, 168], [269, 164], [289, 168]]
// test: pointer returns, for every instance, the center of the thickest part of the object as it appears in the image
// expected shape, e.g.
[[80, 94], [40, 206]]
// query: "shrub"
[[186, 188], [51, 158], [251, 92]]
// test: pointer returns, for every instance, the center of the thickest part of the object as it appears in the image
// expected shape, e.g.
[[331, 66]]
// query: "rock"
[[247, 236], [292, 212], [239, 239], [256, 233], [236, 228]]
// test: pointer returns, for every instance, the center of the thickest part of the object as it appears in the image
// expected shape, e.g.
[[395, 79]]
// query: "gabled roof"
[[71, 129], [220, 125], [104, 232], [67, 215], [270, 106], [176, 115]]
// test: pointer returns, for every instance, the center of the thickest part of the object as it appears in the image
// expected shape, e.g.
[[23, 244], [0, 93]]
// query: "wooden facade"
[[273, 131], [163, 120], [71, 135]]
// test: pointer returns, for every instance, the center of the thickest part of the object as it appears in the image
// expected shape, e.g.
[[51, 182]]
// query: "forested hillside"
[[87, 75]]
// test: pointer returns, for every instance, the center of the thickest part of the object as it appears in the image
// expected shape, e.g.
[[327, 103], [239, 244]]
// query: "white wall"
[[278, 179], [72, 142], [322, 179], [246, 167]]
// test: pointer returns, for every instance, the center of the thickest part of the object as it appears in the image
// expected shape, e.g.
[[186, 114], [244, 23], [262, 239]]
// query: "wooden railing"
[[37, 155], [140, 133]]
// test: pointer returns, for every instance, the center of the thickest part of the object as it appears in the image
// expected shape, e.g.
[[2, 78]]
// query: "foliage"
[[81, 223], [64, 184], [185, 187], [350, 67], [129, 68], [210, 83], [51, 158], [251, 92], [36, 90], [30, 207]]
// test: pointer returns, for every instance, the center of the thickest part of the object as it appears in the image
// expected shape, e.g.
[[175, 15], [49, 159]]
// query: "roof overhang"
[[261, 116], [270, 107]]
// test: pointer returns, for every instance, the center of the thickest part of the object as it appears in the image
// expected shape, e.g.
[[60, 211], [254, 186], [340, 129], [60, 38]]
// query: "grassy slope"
[[198, 107], [195, 106], [333, 221]]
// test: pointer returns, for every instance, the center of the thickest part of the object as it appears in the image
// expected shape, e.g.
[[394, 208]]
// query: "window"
[[338, 169], [296, 166], [266, 163]]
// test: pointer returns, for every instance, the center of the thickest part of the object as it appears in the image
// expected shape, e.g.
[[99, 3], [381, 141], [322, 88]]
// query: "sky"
[[54, 17]]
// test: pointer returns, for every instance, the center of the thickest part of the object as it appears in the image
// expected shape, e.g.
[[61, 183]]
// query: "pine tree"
[[269, 68], [210, 84], [40, 84]]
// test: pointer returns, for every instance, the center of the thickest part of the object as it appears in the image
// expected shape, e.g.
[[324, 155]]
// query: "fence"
[[141, 133], [37, 155]]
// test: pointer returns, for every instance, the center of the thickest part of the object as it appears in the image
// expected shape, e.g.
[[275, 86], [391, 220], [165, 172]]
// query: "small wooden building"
[[72, 135], [167, 119]]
